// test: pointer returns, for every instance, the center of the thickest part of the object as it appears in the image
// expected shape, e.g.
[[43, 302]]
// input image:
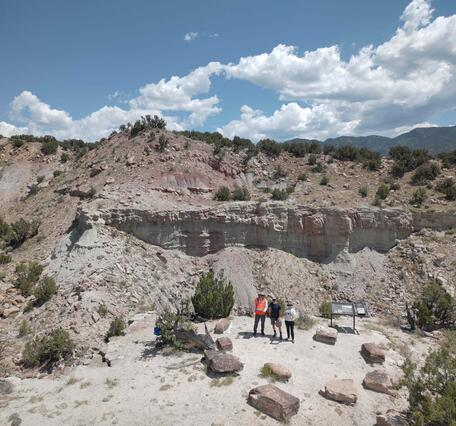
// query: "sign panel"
[[342, 309]]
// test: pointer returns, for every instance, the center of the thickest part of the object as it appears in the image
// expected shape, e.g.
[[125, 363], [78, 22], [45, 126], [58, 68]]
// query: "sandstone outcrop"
[[224, 344], [373, 353], [274, 402], [222, 362], [340, 390], [326, 335], [315, 233], [377, 381], [279, 371], [222, 325]]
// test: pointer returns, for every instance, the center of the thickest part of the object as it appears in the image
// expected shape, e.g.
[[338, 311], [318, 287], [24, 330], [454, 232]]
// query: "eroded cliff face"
[[318, 234]]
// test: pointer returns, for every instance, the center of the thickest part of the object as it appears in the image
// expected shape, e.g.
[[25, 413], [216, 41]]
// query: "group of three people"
[[262, 309]]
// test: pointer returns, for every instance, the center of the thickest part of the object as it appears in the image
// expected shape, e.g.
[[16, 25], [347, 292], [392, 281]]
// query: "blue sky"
[[64, 61]]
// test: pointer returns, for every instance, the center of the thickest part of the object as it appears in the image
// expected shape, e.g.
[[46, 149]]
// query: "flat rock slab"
[[223, 362], [224, 344], [274, 402], [278, 370], [222, 325], [326, 335], [391, 418], [340, 390], [373, 353], [377, 381]]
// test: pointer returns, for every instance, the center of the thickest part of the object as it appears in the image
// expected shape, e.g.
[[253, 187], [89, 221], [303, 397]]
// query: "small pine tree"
[[213, 298]]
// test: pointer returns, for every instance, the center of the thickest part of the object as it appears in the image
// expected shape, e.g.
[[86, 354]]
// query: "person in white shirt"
[[291, 315]]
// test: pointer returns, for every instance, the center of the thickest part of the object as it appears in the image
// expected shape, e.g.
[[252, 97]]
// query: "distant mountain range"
[[434, 139]]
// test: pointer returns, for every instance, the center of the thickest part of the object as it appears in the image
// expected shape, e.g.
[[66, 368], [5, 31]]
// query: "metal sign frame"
[[343, 310]]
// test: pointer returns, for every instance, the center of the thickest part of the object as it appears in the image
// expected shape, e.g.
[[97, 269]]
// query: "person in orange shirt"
[[260, 308]]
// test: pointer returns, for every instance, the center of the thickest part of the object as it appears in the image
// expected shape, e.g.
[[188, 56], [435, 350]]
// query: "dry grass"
[[110, 383], [219, 382]]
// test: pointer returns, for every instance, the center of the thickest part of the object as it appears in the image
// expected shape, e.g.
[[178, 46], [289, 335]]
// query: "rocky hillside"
[[132, 223]]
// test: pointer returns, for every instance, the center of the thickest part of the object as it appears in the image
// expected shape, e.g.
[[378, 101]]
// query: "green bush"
[[213, 298], [382, 191], [324, 180], [57, 173], [406, 160], [373, 164], [48, 349], [270, 147], [434, 308], [24, 328], [64, 157], [443, 185], [432, 388], [45, 289], [279, 172], [169, 323], [303, 177], [450, 193], [21, 231], [240, 194], [102, 310], [425, 173], [116, 328], [319, 168], [162, 143], [279, 194], [419, 197], [17, 143], [4, 258], [325, 309], [222, 194], [28, 275], [312, 160], [49, 147], [363, 191]]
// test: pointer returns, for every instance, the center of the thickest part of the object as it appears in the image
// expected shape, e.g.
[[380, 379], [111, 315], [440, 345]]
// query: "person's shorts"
[[276, 322]]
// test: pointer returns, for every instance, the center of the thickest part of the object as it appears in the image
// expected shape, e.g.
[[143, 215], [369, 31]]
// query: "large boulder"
[[223, 362], [377, 381], [224, 344], [373, 353], [222, 325], [326, 335], [274, 402], [279, 371], [340, 390], [391, 418]]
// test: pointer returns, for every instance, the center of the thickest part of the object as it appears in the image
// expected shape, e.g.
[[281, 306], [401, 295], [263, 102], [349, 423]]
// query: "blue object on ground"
[[157, 331]]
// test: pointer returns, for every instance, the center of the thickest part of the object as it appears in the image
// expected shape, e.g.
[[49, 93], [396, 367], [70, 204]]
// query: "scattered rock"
[[340, 390], [222, 362], [377, 381], [278, 370], [7, 312], [326, 335], [222, 325], [6, 387], [224, 344], [373, 353], [391, 418], [274, 402], [95, 171]]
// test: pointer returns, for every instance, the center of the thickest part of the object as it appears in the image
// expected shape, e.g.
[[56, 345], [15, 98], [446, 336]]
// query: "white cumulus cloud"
[[190, 36], [403, 82]]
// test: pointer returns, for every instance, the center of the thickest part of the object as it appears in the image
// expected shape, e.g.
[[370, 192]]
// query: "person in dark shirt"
[[274, 314]]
